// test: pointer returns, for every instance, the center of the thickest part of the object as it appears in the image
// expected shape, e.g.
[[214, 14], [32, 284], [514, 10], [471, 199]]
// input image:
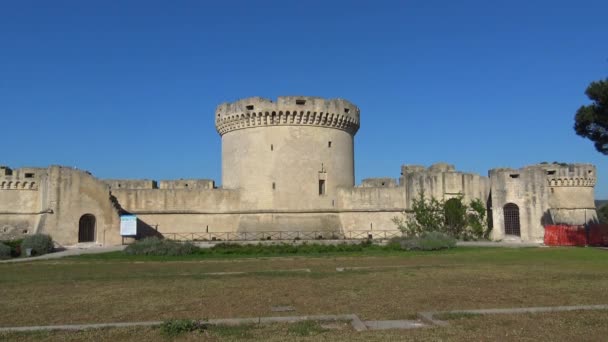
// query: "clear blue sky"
[[127, 89]]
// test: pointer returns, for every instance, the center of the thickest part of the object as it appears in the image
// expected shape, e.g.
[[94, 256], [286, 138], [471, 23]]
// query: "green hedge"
[[429, 241], [39, 243], [5, 251], [156, 246]]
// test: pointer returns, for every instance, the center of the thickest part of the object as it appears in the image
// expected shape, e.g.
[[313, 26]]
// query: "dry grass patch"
[[563, 326], [97, 290]]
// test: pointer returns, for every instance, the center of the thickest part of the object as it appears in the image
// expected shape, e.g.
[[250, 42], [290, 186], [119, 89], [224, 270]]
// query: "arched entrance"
[[86, 228], [511, 213]]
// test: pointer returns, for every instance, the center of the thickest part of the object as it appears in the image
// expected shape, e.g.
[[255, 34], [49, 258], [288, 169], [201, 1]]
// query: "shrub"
[[39, 243], [452, 217], [156, 246], [429, 241], [175, 327], [15, 246], [428, 215], [5, 251]]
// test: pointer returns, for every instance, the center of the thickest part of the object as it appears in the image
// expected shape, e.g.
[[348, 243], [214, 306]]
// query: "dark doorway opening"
[[86, 228], [511, 212]]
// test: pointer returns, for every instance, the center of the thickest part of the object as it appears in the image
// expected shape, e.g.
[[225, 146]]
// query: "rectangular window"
[[321, 187], [250, 107], [271, 147], [274, 186], [300, 102], [29, 175], [329, 144]]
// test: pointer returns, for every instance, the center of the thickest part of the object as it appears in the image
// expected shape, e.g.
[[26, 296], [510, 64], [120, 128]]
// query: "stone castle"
[[287, 166]]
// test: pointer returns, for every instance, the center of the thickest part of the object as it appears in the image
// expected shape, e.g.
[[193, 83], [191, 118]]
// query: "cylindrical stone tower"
[[291, 154]]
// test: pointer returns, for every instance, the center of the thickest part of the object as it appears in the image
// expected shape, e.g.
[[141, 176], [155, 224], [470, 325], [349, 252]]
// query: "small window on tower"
[[300, 102], [250, 107], [29, 175], [329, 144], [271, 147], [274, 186], [321, 187]]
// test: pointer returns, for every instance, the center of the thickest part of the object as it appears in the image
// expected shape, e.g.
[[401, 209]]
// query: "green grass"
[[386, 285], [557, 327], [245, 331], [306, 328]]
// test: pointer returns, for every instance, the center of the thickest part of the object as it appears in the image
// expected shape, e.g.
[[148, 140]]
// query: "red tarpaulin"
[[564, 235]]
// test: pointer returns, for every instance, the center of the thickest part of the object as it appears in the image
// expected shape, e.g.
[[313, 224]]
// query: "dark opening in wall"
[[382, 183], [250, 107], [186, 185], [119, 185], [321, 187], [274, 186], [346, 110], [551, 172], [271, 147], [329, 144], [515, 175], [29, 175], [300, 102]]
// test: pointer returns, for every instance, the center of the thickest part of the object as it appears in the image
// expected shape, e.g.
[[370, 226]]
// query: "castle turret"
[[290, 154]]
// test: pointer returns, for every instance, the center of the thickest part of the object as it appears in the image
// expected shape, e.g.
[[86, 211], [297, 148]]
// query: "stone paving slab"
[[426, 317], [394, 324]]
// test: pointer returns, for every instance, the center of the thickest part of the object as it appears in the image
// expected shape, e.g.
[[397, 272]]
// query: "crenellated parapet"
[[18, 185], [287, 111], [570, 175], [19, 179], [571, 181]]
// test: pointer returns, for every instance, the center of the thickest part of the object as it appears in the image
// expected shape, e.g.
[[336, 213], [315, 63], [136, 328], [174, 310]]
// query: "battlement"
[[27, 178], [557, 175], [287, 111]]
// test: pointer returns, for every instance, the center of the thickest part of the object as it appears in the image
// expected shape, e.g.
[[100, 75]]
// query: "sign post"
[[128, 226]]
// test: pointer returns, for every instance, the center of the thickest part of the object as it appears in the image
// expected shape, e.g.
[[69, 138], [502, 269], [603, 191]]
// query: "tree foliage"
[[591, 121], [602, 213], [452, 217]]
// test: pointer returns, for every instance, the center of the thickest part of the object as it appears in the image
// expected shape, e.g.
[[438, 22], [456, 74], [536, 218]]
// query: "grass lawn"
[[382, 285], [566, 326]]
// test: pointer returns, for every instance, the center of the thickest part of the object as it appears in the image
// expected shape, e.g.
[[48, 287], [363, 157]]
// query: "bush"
[[429, 241], [5, 251], [452, 217], [156, 246], [175, 327], [15, 246], [39, 243]]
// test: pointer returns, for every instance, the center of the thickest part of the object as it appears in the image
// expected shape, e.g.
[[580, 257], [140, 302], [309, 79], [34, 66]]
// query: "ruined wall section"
[[369, 208], [73, 193], [571, 193], [205, 184], [22, 201], [131, 183], [545, 194], [528, 189], [182, 210], [380, 182], [442, 182]]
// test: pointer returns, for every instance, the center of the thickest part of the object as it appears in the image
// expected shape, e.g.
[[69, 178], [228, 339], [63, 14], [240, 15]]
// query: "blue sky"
[[128, 89]]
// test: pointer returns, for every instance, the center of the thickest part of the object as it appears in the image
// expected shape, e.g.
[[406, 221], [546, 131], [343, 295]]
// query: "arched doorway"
[[86, 228], [511, 212]]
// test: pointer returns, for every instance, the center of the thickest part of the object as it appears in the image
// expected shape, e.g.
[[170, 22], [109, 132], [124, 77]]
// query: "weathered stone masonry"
[[287, 165]]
